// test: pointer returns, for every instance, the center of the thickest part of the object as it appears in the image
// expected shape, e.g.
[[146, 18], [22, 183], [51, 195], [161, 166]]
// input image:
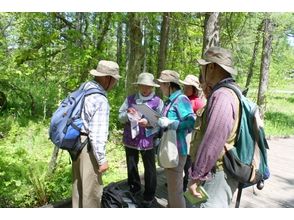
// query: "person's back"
[[87, 169], [218, 127]]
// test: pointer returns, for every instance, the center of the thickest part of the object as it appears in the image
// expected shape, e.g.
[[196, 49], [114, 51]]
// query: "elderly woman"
[[193, 91], [137, 139], [178, 115]]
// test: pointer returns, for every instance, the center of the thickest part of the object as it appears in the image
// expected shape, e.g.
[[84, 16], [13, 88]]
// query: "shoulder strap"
[[89, 92], [171, 103]]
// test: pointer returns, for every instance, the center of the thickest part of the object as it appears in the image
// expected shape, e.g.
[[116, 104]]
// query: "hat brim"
[[203, 62], [198, 87], [146, 84], [96, 73], [230, 70]]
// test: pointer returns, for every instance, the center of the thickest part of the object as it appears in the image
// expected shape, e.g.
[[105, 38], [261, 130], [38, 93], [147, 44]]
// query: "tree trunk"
[[211, 31], [253, 59], [163, 42], [53, 163], [265, 63], [136, 54], [119, 41]]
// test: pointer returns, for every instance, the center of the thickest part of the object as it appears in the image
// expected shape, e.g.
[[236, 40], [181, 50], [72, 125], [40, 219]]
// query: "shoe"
[[148, 203]]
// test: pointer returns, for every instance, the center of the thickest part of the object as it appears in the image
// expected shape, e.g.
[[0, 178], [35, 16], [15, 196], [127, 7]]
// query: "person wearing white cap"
[[192, 90], [137, 140], [87, 169]]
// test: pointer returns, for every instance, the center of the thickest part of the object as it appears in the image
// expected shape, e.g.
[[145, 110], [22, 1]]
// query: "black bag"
[[114, 197]]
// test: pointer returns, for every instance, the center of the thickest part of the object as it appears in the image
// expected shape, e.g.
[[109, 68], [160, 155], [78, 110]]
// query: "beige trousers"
[[174, 177], [87, 184]]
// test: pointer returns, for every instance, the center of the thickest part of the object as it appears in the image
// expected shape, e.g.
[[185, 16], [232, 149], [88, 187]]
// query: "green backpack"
[[247, 160]]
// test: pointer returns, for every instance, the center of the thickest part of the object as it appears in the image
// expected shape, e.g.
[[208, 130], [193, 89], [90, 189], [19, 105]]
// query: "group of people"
[[202, 128]]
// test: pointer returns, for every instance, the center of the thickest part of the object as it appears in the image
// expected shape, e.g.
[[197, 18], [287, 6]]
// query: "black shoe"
[[149, 203]]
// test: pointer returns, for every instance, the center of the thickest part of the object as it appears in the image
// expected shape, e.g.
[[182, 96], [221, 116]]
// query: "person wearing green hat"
[[216, 127]]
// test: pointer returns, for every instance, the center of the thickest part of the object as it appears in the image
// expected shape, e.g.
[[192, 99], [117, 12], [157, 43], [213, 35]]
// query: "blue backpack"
[[66, 122]]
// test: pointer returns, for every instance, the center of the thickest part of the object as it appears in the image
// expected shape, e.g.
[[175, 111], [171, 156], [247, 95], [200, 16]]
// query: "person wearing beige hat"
[[91, 163], [192, 90], [177, 115], [137, 138], [218, 125]]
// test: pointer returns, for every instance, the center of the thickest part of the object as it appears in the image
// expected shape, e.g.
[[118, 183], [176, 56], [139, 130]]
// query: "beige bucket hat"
[[169, 76], [191, 80], [221, 57], [146, 79], [106, 68]]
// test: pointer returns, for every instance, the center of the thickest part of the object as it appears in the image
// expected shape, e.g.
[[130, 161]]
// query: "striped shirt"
[[221, 115], [95, 115]]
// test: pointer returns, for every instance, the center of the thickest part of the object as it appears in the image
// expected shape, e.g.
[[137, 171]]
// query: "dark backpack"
[[66, 122], [247, 160], [114, 197]]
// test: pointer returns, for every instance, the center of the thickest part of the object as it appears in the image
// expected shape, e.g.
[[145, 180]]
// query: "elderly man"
[[215, 128], [92, 162]]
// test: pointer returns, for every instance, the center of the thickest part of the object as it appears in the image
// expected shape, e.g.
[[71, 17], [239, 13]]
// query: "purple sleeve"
[[220, 120]]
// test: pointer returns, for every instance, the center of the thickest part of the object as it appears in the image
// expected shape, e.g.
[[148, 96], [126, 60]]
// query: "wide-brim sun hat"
[[220, 56], [169, 76], [191, 80], [106, 68], [146, 79]]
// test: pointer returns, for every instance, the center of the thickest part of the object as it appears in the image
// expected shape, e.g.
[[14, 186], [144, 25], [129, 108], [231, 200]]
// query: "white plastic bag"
[[168, 156]]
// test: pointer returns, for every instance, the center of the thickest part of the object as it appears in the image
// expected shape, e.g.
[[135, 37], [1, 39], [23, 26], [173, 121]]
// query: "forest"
[[45, 56]]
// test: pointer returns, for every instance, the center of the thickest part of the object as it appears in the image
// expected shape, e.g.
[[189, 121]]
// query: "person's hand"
[[192, 187], [103, 167], [163, 122], [143, 122], [131, 111]]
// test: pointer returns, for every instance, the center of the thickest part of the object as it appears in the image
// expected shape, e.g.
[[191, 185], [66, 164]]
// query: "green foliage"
[[44, 56]]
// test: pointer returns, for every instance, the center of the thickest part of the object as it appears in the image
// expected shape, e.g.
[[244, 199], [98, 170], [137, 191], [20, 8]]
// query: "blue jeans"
[[220, 189]]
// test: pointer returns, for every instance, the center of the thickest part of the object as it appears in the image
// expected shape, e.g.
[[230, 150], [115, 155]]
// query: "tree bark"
[[163, 42], [53, 163], [253, 59], [265, 64], [136, 53], [211, 31], [119, 43]]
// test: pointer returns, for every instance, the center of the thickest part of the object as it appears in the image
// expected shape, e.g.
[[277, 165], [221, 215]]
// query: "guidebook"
[[195, 200]]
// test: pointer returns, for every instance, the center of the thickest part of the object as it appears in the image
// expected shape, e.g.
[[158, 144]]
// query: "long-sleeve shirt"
[[95, 115], [181, 111], [221, 115]]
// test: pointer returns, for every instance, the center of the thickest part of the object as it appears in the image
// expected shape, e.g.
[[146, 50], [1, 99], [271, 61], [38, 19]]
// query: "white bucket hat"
[[221, 57], [106, 68], [169, 76], [146, 79], [191, 80]]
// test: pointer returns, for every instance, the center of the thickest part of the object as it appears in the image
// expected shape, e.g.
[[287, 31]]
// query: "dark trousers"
[[148, 157], [186, 171]]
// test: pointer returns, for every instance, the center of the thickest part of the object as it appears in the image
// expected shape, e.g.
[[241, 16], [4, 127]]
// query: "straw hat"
[[106, 68]]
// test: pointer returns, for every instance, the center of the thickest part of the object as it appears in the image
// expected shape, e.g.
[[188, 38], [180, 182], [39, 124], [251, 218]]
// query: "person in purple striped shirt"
[[215, 128]]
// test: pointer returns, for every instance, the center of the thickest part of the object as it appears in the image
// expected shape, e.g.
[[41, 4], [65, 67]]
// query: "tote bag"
[[168, 156]]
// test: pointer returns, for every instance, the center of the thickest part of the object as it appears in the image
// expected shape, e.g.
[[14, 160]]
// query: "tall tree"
[[254, 54], [136, 51], [163, 42], [211, 31], [265, 62]]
